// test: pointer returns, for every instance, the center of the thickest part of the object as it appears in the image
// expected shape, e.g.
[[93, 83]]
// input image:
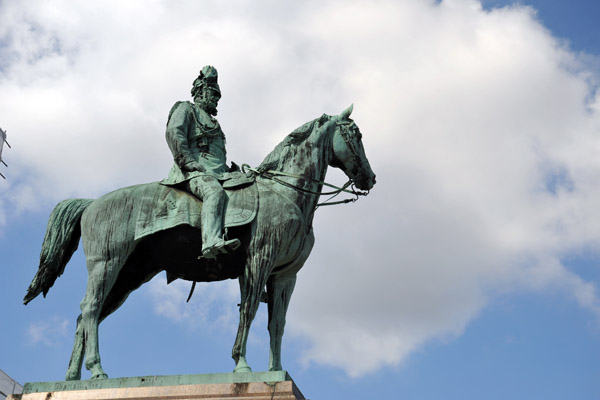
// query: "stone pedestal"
[[253, 385]]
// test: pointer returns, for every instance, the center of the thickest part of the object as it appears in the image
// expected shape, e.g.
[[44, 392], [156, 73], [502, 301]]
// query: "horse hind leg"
[[74, 370], [76, 361], [102, 276]]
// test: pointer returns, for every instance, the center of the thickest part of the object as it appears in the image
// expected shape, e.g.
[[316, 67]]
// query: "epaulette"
[[173, 109]]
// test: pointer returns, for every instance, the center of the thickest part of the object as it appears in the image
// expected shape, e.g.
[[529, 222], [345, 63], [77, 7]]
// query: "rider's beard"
[[210, 109]]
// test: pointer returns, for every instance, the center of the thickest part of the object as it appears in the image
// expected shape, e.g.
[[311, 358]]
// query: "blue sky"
[[471, 271], [571, 20]]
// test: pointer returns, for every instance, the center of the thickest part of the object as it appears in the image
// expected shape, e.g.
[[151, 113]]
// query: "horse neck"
[[308, 162]]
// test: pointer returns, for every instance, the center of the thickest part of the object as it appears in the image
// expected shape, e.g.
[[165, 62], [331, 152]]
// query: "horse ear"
[[346, 113]]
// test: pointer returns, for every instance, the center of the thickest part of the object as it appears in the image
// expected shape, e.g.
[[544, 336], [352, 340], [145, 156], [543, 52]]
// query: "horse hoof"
[[242, 366], [100, 376]]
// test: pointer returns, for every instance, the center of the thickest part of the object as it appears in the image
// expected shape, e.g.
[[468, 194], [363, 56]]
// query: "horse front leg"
[[279, 293], [252, 283]]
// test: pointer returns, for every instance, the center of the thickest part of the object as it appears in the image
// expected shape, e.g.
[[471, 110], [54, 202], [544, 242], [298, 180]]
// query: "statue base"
[[251, 385]]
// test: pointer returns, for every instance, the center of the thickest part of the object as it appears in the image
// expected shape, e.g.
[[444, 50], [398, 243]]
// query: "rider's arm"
[[177, 137]]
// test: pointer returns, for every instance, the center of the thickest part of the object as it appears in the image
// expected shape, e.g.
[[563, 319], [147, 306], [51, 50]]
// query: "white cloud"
[[482, 128], [211, 307], [49, 331]]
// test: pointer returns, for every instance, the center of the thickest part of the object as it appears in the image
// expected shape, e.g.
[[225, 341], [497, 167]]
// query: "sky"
[[470, 271]]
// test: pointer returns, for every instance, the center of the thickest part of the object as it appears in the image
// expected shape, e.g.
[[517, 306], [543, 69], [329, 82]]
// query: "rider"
[[198, 146]]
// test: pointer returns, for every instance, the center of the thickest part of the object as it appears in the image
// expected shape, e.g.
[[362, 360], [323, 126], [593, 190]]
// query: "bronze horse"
[[274, 246]]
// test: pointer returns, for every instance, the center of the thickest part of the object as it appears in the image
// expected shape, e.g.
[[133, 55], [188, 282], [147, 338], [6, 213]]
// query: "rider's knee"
[[206, 187]]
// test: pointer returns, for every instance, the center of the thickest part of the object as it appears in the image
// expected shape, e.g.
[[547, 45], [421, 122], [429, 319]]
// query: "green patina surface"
[[160, 380], [132, 234]]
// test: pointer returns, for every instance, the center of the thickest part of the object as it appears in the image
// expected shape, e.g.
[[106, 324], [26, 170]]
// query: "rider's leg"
[[209, 190]]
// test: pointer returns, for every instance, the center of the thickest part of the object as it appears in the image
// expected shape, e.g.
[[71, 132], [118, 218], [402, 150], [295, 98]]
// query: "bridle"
[[273, 175]]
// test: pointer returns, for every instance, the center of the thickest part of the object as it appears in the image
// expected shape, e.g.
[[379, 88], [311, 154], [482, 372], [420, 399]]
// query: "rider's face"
[[211, 98]]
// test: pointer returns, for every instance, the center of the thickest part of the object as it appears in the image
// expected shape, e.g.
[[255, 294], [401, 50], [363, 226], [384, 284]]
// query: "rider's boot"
[[222, 246]]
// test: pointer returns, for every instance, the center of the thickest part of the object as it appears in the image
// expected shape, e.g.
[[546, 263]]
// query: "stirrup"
[[221, 247]]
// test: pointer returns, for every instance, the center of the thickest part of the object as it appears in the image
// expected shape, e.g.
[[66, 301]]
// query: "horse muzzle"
[[365, 182]]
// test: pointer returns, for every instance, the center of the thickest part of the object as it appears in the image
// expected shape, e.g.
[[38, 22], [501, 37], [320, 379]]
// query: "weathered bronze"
[[133, 233], [198, 146]]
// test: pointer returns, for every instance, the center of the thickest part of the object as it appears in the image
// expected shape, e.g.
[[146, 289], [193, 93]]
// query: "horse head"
[[349, 153]]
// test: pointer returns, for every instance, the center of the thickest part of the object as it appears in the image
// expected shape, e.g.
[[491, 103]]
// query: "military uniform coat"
[[194, 136]]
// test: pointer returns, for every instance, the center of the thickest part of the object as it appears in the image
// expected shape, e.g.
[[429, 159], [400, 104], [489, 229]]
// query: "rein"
[[272, 175]]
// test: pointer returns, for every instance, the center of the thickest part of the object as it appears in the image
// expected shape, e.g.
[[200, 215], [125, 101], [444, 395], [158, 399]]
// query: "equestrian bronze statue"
[[261, 223]]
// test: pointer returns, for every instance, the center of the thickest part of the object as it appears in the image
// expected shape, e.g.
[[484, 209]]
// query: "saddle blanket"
[[171, 207]]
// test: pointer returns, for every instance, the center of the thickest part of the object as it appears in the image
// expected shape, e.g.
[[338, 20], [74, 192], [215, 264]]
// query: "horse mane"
[[282, 153]]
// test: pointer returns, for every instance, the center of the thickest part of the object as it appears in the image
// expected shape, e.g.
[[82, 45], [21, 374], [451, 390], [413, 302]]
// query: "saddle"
[[171, 207]]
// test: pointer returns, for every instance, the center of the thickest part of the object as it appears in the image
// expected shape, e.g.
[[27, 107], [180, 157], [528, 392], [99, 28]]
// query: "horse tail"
[[60, 242]]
